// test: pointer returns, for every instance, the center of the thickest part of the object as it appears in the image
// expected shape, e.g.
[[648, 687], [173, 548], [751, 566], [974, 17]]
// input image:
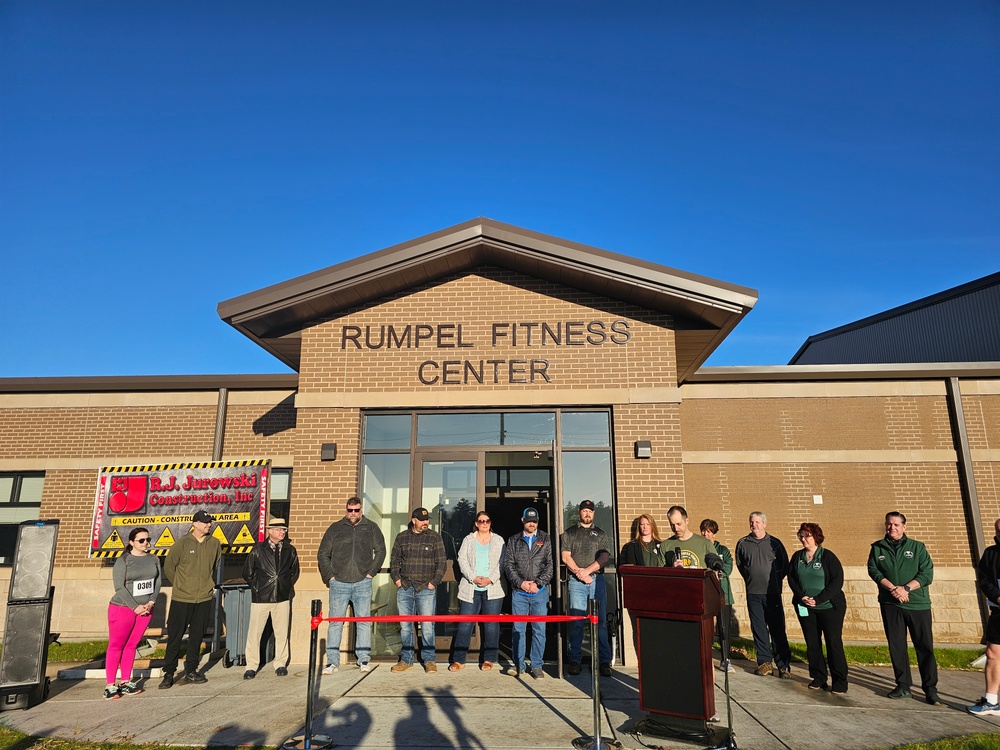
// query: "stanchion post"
[[593, 610], [316, 610]]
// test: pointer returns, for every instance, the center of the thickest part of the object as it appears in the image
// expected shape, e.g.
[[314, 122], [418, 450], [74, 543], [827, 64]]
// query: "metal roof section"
[[705, 310], [961, 324]]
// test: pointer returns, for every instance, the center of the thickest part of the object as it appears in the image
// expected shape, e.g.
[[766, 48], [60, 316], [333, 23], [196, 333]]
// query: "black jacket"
[[521, 564], [833, 576], [987, 573], [631, 553], [270, 583]]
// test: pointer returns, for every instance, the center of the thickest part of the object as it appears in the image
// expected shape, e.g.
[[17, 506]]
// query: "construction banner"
[[163, 498]]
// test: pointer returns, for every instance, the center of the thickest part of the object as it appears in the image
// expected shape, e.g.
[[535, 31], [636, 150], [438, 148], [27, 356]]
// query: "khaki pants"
[[280, 614]]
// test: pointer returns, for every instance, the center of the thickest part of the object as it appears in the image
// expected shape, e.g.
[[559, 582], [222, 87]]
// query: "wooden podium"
[[674, 610]]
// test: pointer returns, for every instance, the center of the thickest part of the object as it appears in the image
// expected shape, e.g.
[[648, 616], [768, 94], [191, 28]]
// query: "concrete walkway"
[[472, 709]]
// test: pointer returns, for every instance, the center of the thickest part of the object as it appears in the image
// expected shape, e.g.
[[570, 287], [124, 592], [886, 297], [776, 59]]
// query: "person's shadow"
[[235, 735], [418, 726], [446, 702]]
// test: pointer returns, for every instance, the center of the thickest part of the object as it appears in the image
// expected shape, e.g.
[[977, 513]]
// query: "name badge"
[[142, 588]]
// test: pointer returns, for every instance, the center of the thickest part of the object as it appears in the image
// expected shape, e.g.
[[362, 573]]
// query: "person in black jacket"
[[816, 579], [645, 548], [271, 569], [988, 577]]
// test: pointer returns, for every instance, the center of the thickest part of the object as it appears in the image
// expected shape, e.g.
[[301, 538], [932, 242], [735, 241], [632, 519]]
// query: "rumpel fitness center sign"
[[575, 333], [164, 497]]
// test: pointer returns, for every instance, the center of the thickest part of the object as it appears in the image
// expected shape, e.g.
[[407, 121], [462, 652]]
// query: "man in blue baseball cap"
[[528, 566]]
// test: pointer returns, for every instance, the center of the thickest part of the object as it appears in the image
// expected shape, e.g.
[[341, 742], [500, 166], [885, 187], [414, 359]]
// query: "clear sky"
[[157, 158]]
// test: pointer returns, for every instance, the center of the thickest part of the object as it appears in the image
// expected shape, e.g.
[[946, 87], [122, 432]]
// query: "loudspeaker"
[[25, 646], [34, 557]]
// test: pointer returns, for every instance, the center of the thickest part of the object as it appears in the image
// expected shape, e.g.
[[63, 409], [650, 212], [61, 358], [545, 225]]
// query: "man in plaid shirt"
[[416, 566]]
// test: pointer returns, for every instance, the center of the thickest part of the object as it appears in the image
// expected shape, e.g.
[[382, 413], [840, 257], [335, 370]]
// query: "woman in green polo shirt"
[[816, 578]]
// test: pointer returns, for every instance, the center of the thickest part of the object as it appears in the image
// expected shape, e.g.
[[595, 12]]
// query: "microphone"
[[713, 561], [677, 554]]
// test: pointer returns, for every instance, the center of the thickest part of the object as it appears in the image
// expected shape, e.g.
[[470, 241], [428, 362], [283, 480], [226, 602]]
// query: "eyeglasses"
[[354, 510], [145, 540], [483, 520], [805, 536]]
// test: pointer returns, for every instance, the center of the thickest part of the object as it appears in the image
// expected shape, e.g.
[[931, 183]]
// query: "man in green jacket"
[[903, 570], [190, 566]]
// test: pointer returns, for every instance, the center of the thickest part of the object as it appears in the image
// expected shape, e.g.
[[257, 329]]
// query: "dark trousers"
[[827, 624], [767, 621], [193, 618], [896, 622]]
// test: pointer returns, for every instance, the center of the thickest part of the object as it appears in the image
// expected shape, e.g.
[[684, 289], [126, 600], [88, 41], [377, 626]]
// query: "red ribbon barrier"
[[314, 623]]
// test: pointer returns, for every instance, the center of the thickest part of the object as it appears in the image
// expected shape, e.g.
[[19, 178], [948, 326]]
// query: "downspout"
[[217, 444], [967, 479]]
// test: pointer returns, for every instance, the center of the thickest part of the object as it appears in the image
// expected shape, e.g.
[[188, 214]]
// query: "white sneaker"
[[365, 667], [330, 669]]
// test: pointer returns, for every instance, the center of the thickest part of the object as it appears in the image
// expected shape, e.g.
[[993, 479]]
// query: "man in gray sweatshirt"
[[763, 563], [350, 555]]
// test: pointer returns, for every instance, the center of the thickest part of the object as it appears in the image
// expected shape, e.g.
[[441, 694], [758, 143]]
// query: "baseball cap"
[[420, 514], [587, 505], [202, 516], [530, 514]]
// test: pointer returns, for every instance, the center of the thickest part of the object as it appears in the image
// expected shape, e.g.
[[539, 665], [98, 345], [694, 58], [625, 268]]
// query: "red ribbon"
[[314, 623]]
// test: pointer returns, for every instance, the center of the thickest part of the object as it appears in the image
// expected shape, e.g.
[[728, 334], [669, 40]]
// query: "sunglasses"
[[483, 520], [354, 510], [144, 540]]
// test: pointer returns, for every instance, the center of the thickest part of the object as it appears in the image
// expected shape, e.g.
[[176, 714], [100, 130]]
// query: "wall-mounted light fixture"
[[328, 452], [643, 449]]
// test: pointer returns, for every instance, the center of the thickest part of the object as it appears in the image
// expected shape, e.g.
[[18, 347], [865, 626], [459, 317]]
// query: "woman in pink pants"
[[137, 578]]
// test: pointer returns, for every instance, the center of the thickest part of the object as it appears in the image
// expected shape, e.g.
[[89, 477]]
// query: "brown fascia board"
[[285, 308], [133, 383], [802, 373]]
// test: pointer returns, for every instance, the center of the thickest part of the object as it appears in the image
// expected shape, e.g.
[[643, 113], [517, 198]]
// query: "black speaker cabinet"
[[34, 557], [25, 654]]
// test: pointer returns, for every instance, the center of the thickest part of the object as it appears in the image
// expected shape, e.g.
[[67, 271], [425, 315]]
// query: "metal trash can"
[[236, 607]]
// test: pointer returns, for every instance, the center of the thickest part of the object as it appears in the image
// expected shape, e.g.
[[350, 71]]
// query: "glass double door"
[[454, 487]]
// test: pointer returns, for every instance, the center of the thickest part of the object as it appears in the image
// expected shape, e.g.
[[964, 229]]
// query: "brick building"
[[486, 366]]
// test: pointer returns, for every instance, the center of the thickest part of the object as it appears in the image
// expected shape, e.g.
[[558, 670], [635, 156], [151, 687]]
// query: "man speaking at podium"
[[689, 550]]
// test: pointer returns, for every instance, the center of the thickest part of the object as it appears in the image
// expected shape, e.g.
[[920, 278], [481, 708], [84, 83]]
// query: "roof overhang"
[[704, 310]]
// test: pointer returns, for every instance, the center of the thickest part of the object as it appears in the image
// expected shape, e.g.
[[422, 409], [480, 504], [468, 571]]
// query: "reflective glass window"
[[458, 429], [585, 429], [387, 431], [529, 428]]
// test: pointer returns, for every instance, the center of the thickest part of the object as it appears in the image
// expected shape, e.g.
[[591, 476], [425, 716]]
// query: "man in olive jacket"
[[271, 569], [903, 570], [190, 566]]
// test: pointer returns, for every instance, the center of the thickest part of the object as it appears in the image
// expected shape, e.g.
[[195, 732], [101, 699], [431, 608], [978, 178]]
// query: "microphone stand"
[[730, 743]]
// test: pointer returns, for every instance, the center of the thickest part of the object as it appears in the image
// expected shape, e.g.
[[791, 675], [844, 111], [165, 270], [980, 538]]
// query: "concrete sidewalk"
[[472, 709]]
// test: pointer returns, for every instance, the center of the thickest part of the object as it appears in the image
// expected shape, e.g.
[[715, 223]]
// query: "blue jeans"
[[480, 604], [410, 602], [522, 604], [359, 595], [579, 594]]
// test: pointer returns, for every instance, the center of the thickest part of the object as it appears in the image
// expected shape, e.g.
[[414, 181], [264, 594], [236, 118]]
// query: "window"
[[281, 487], [20, 500]]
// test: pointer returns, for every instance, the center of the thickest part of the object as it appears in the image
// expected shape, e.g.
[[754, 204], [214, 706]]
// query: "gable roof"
[[705, 310]]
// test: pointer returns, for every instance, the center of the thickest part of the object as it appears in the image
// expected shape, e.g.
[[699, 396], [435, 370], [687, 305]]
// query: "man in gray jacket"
[[763, 563], [351, 553], [528, 564]]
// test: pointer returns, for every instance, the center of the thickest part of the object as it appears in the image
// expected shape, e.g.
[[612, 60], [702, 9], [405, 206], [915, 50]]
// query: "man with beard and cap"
[[416, 566], [988, 575], [190, 566], [271, 569], [903, 570], [528, 564], [350, 555], [585, 552]]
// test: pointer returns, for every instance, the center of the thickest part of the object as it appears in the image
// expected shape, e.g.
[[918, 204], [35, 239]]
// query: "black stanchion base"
[[317, 741]]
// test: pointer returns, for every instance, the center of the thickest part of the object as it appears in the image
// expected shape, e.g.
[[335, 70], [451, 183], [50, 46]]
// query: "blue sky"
[[157, 158]]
